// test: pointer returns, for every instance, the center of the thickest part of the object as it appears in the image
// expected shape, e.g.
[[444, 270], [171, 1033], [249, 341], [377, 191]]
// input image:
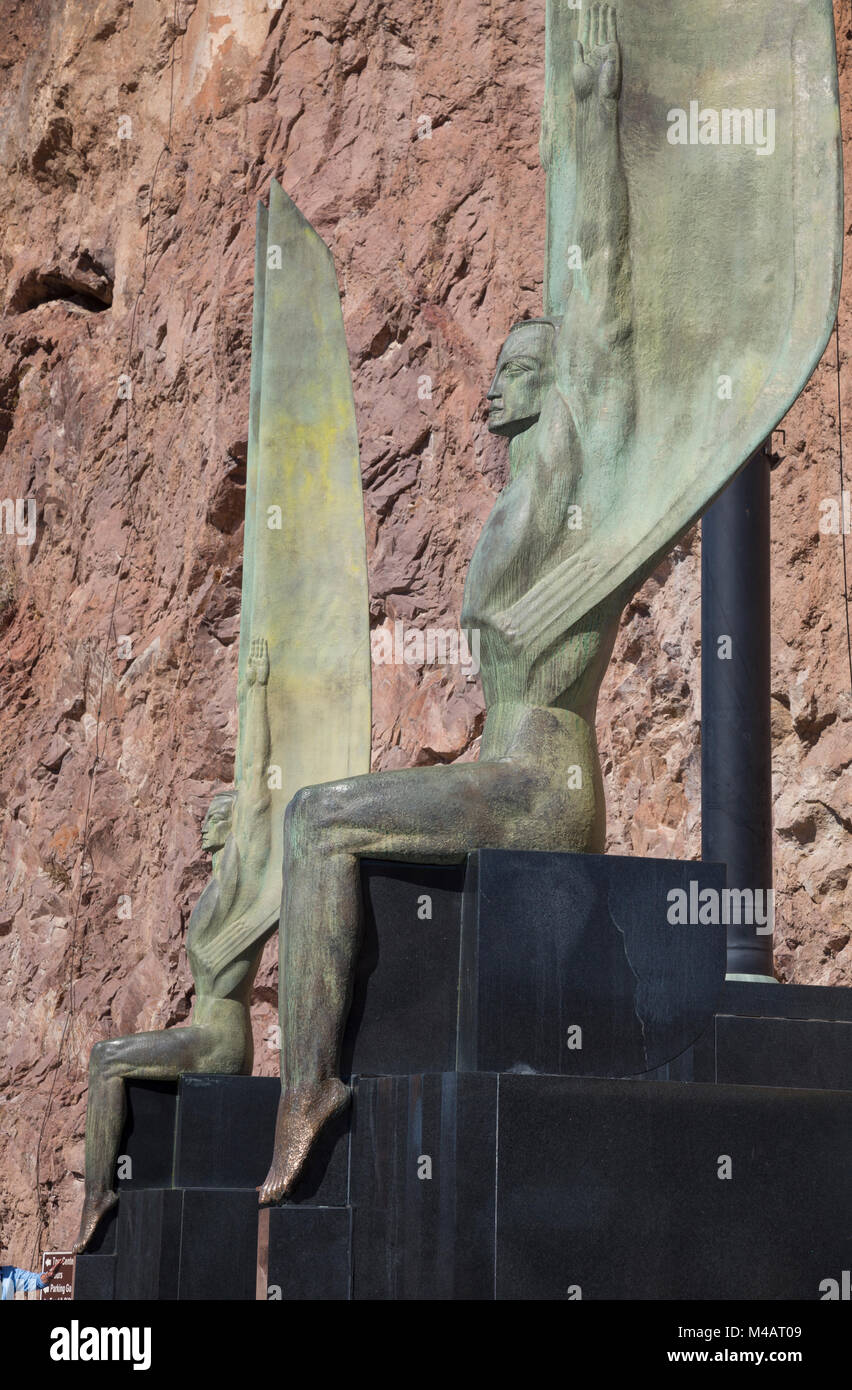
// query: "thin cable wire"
[[842, 508]]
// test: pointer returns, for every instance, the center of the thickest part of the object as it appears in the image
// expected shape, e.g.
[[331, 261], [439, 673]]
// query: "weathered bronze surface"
[[690, 289]]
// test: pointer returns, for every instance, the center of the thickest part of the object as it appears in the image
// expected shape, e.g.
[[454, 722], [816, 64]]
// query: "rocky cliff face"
[[135, 139]]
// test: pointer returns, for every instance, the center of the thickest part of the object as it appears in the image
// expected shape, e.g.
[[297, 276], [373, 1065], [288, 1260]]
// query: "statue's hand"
[[258, 662], [597, 56]]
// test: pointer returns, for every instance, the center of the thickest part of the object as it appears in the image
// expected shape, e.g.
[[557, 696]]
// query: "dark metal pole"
[[736, 751]]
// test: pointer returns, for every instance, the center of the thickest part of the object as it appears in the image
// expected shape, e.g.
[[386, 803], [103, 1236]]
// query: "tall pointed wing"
[[305, 569], [736, 255], [310, 573], [310, 570]]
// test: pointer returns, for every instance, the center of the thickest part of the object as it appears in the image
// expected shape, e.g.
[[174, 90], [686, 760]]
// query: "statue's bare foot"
[[301, 1116], [95, 1208]]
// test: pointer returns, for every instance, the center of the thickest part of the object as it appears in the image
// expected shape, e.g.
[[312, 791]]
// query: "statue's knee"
[[314, 810], [99, 1058], [297, 813], [106, 1058]]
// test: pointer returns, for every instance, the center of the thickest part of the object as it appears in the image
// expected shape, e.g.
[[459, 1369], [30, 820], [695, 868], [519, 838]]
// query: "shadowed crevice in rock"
[[48, 287]]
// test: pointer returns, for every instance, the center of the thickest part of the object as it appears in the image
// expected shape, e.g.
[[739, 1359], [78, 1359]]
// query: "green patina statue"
[[627, 407], [537, 784], [694, 230]]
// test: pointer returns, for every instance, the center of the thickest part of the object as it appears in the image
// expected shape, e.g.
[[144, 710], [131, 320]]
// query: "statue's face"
[[217, 824], [523, 376]]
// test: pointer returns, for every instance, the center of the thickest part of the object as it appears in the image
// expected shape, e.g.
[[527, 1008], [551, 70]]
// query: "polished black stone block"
[[94, 1278], [225, 1130], [148, 1244], [613, 1189], [565, 948], [423, 1187], [225, 1133], [783, 1052], [149, 1135], [468, 1168], [745, 998], [219, 1245], [405, 997], [774, 1035], [309, 1253]]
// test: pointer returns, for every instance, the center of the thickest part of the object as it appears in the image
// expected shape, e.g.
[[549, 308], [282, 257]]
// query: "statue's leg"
[[427, 814], [157, 1056]]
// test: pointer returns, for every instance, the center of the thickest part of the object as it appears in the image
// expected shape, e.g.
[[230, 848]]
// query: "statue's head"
[[525, 373], [217, 822]]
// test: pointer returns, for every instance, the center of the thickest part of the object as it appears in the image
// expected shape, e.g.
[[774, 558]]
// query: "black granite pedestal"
[[545, 1187], [194, 1235], [148, 1245], [423, 1182], [309, 1254], [94, 1278], [560, 963], [555, 1096]]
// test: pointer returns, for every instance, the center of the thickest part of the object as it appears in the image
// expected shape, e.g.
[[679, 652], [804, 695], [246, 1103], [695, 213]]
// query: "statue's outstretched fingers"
[[586, 32], [611, 27]]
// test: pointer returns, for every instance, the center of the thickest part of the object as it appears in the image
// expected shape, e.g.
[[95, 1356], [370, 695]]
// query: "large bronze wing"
[[305, 567], [736, 256]]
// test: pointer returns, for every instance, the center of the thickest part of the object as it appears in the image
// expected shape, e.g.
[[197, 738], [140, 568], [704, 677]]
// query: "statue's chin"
[[509, 428]]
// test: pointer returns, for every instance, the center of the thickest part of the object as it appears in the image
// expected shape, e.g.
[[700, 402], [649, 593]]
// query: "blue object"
[[18, 1281]]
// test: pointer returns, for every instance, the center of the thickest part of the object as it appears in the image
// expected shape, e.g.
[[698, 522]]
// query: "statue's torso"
[[527, 534], [215, 910]]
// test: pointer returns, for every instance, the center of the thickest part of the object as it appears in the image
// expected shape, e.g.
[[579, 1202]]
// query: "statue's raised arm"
[[594, 346], [602, 219]]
